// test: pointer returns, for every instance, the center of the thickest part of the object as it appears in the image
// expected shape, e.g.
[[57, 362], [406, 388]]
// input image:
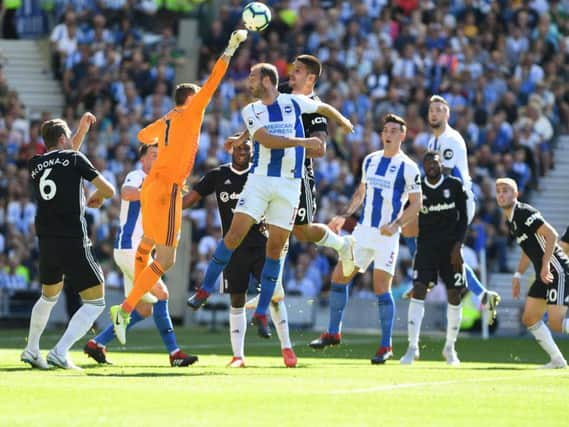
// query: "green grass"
[[496, 385]]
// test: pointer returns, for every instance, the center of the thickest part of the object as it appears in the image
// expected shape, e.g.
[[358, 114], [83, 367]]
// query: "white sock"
[[79, 324], [565, 326], [38, 321], [280, 320], [454, 317], [414, 320], [331, 240], [543, 336], [237, 329]]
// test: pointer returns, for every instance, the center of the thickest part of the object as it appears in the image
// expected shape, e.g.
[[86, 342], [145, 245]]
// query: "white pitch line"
[[391, 387]]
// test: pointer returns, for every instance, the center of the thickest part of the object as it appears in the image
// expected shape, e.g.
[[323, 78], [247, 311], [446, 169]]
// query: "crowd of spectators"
[[502, 65]]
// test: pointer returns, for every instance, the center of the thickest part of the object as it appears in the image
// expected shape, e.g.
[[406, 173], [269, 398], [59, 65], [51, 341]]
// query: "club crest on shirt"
[[448, 154], [446, 193], [250, 122], [287, 109], [392, 168]]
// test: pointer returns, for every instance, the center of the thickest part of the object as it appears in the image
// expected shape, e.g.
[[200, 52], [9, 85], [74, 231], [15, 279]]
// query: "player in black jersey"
[[550, 290], [64, 245], [227, 182], [442, 227]]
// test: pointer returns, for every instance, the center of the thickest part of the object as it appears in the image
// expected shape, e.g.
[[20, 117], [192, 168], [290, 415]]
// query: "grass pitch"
[[496, 385]]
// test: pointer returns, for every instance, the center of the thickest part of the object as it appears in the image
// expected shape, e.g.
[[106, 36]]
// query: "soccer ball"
[[256, 16]]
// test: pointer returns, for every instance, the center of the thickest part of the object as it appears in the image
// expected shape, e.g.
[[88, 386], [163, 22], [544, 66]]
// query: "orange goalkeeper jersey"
[[177, 133]]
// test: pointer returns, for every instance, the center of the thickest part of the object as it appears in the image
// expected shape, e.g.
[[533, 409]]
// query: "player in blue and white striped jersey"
[[389, 180], [127, 239], [272, 190], [452, 148]]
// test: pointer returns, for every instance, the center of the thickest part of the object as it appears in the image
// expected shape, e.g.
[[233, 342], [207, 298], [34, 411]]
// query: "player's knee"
[[300, 233], [237, 300], [160, 291], [530, 319], [338, 277], [453, 296], [144, 309], [419, 291]]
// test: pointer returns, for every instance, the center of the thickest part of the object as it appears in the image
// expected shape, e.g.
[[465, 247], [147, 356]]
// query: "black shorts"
[[555, 294], [68, 257], [245, 261], [307, 205], [432, 262]]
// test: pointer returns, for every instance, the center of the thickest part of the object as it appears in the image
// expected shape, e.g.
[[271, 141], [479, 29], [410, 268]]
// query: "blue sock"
[[164, 325], [269, 277], [338, 301], [220, 258], [108, 334], [472, 282], [386, 306], [411, 243]]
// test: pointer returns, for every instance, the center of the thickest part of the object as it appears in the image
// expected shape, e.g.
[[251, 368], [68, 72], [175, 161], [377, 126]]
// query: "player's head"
[[506, 192], [433, 165], [147, 155], [304, 74], [55, 133], [393, 131], [242, 155], [184, 91], [262, 78], [439, 111]]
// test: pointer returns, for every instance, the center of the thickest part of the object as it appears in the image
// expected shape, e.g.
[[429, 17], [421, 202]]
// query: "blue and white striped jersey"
[[282, 118], [130, 230], [454, 156], [388, 182]]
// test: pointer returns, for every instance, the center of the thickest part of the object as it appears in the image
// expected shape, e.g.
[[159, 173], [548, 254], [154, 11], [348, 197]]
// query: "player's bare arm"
[[550, 236], [321, 150], [331, 113], [104, 190], [408, 215], [279, 142], [87, 119], [523, 265], [191, 199], [337, 222], [130, 194]]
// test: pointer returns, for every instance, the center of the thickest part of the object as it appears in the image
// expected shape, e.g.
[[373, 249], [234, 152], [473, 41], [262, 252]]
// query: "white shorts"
[[272, 197], [125, 260], [372, 246]]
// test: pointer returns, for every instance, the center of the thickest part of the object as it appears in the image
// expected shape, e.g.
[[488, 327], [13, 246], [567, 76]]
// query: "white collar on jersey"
[[236, 172], [433, 186], [511, 217]]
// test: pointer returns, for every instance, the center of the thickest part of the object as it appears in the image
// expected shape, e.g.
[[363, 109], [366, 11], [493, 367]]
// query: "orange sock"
[[141, 258], [147, 278]]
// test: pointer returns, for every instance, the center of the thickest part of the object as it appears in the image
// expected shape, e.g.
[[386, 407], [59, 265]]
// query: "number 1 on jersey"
[[167, 132]]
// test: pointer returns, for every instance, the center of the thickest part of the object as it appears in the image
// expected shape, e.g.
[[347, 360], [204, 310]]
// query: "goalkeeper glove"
[[237, 37]]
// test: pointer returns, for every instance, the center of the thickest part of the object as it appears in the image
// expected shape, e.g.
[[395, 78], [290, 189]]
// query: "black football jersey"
[[443, 215], [523, 227], [57, 178], [227, 183], [311, 123]]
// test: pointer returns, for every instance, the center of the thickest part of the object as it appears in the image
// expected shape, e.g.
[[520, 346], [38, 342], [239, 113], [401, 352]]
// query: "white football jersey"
[[452, 148], [130, 230], [388, 181], [282, 118]]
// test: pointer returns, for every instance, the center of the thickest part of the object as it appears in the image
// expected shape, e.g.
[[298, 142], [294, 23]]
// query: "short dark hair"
[[183, 90], [270, 71], [52, 130], [394, 118], [143, 149], [431, 154], [438, 98], [312, 64]]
